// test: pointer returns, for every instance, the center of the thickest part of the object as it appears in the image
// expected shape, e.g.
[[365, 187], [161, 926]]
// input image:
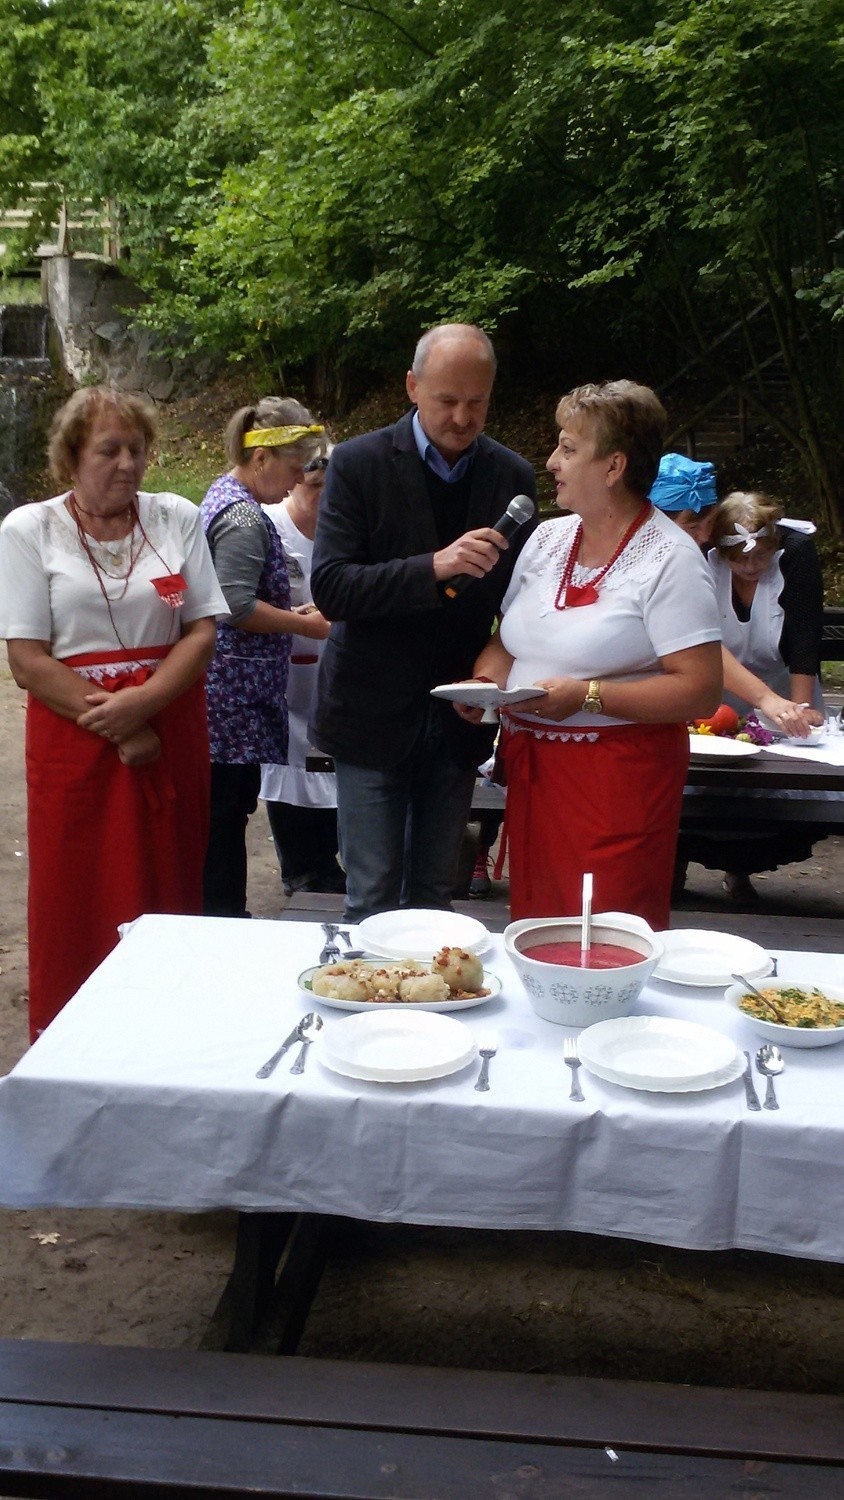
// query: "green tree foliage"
[[319, 179]]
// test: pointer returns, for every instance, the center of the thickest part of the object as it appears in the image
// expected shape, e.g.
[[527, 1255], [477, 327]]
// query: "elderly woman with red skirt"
[[107, 602], [612, 612]]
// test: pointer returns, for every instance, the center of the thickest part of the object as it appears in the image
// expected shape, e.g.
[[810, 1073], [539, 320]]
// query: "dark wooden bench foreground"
[[93, 1421]]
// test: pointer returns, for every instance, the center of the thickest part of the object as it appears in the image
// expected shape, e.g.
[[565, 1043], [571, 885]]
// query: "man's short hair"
[[450, 331]]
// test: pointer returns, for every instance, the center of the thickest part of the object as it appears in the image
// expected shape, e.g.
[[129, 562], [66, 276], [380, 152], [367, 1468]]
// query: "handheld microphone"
[[520, 510]]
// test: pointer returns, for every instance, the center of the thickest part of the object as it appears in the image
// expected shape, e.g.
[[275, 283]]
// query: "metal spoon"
[[310, 1022], [769, 1062], [350, 951]]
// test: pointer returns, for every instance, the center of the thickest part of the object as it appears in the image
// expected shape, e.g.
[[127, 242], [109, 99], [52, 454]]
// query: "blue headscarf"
[[683, 484]]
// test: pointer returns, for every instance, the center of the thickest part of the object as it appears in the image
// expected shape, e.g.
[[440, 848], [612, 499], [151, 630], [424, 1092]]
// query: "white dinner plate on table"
[[718, 751], [412, 933], [709, 960], [659, 1054], [485, 694], [491, 983], [397, 1046]]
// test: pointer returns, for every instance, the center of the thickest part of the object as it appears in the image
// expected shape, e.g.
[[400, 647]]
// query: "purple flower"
[[756, 732]]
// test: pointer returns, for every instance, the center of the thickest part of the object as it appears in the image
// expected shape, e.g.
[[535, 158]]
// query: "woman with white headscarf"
[[770, 601], [769, 590]]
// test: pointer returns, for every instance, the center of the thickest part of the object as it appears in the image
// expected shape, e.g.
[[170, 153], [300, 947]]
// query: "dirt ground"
[[565, 1303]]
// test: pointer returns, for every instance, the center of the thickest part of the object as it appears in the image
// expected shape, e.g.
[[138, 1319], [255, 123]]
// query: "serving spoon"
[[769, 1062], [740, 979]]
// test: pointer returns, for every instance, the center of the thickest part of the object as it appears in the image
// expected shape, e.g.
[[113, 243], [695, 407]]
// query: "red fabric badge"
[[170, 588]]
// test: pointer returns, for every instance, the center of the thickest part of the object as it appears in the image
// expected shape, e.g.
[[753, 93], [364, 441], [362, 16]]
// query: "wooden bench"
[[92, 1421]]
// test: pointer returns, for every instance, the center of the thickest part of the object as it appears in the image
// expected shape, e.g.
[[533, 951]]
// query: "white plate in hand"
[[397, 1046], [712, 747], [694, 956], [491, 983], [486, 694], [411, 933], [659, 1054]]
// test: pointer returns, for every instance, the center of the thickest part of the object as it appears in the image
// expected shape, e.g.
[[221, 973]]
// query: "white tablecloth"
[[142, 1094]]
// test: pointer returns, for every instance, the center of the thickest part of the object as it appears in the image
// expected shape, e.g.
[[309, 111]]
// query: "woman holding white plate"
[[612, 611]]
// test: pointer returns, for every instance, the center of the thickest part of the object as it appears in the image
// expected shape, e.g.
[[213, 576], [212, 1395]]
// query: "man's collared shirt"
[[434, 459]]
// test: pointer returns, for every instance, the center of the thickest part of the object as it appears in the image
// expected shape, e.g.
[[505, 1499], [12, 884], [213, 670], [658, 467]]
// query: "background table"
[[764, 788], [143, 1094]]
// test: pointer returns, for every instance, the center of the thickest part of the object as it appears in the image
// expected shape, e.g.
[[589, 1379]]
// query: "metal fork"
[[573, 1061], [330, 952]]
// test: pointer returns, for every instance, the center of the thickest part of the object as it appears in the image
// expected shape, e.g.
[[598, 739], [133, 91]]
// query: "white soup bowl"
[[575, 996]]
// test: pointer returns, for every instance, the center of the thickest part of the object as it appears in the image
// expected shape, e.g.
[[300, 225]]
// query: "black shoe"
[[480, 885]]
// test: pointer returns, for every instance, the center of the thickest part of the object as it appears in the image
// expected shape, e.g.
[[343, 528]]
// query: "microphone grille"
[[521, 508]]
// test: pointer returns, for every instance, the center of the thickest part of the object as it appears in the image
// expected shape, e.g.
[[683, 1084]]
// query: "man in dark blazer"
[[403, 511]]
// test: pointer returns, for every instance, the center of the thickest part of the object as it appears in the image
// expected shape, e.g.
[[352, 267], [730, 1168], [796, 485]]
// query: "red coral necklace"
[[571, 595]]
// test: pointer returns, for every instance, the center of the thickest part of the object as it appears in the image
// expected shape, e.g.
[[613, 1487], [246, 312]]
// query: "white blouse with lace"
[[657, 598], [49, 590]]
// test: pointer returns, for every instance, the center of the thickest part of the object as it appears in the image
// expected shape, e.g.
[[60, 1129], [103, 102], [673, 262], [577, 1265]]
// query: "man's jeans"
[[401, 830]]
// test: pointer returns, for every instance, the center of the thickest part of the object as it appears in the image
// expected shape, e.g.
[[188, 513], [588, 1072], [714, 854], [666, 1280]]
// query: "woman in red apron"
[[611, 612], [108, 600]]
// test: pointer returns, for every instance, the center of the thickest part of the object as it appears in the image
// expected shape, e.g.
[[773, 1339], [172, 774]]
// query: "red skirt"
[[609, 804], [106, 842]]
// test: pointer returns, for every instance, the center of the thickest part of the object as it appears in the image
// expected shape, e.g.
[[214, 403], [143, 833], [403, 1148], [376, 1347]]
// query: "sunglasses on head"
[[316, 464]]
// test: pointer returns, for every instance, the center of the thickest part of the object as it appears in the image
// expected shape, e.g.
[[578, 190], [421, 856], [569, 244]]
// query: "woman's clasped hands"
[[122, 718]]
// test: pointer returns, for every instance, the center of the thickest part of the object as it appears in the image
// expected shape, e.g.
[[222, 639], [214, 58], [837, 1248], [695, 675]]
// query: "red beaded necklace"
[[571, 595]]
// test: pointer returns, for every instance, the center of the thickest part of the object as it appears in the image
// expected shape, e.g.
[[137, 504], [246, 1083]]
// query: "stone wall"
[[92, 306], [28, 396]]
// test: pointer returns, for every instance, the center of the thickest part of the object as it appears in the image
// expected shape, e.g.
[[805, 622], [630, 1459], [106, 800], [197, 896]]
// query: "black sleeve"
[[345, 581], [802, 602]]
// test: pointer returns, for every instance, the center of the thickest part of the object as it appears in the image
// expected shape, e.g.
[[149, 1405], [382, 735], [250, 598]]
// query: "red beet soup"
[[600, 956]]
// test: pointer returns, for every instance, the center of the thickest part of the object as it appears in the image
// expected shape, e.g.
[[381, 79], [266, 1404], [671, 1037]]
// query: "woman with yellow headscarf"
[[268, 445]]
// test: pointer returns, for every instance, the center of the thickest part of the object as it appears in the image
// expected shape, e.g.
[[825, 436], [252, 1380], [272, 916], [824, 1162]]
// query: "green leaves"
[[319, 179]]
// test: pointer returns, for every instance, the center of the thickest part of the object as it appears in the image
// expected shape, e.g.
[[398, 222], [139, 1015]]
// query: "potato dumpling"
[[339, 982], [424, 987], [462, 971]]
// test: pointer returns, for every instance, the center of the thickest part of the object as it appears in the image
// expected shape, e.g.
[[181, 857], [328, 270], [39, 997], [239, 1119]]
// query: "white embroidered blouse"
[[657, 598]]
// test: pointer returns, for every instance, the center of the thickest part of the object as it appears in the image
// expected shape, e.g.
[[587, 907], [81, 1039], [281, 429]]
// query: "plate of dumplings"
[[453, 979]]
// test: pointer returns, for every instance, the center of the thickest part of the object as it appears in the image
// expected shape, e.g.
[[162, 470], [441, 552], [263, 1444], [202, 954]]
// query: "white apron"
[[756, 644], [292, 783]]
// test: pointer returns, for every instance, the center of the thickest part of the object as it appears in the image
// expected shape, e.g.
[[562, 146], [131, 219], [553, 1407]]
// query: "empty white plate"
[[485, 694], [397, 1046], [713, 748], [412, 933], [694, 956], [659, 1054]]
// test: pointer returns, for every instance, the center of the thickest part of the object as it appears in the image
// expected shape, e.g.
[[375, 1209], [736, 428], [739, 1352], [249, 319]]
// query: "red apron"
[[606, 801], [107, 842]]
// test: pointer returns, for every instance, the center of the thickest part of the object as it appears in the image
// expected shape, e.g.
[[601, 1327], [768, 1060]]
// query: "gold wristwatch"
[[592, 702]]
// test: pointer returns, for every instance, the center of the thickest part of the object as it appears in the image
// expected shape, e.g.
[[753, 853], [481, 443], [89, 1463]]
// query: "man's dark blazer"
[[394, 636]]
